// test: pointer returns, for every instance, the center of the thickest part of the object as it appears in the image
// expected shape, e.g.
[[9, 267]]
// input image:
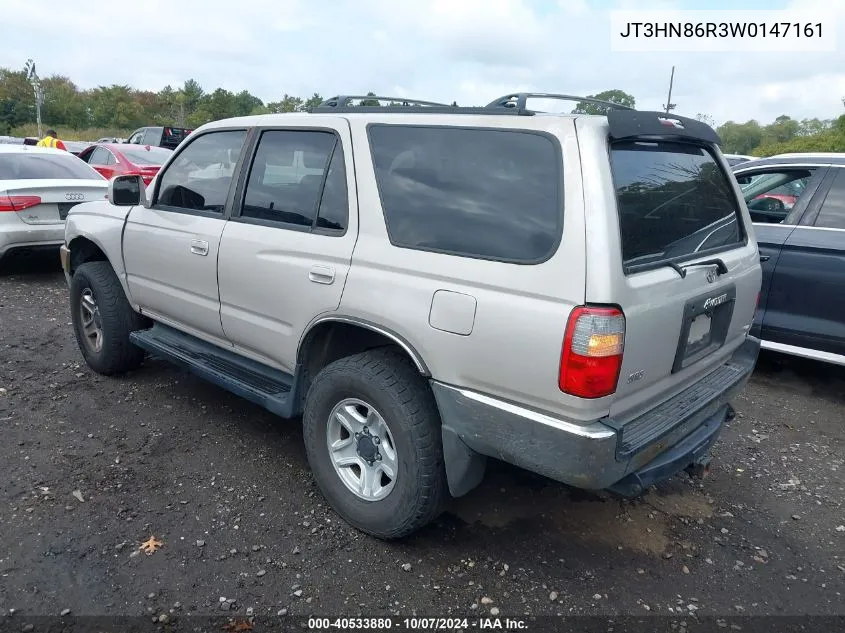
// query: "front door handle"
[[764, 258], [199, 247], [321, 275]]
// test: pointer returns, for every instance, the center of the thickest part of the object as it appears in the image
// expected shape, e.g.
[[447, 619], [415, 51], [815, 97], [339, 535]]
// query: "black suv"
[[159, 136], [797, 203]]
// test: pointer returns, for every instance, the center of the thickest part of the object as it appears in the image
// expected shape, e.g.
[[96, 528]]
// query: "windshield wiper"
[[721, 267]]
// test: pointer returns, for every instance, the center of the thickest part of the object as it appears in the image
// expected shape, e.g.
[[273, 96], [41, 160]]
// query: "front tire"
[[103, 319], [373, 438]]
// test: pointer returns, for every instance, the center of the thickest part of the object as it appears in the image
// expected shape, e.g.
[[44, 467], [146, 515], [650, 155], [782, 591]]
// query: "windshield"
[[673, 200], [155, 156], [32, 166]]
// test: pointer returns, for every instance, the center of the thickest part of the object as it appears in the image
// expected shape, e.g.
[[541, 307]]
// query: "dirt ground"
[[92, 467]]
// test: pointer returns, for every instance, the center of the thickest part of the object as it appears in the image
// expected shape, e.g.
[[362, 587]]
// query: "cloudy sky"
[[465, 50]]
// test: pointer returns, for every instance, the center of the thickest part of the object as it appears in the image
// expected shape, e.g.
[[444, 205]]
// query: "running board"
[[270, 388]]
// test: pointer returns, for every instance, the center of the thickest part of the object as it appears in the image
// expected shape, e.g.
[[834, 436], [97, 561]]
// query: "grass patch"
[[68, 134]]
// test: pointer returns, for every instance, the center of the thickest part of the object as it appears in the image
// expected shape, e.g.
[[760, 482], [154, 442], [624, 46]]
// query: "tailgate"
[[680, 260]]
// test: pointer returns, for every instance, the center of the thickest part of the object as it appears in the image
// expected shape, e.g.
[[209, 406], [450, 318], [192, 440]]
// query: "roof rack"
[[519, 100], [343, 101]]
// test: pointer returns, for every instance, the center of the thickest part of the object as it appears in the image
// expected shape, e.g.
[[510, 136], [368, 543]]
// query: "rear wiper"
[[721, 267]]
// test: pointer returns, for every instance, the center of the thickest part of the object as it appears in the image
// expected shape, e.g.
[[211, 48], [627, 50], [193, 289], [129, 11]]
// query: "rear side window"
[[26, 166], [288, 182], [674, 202], [488, 194]]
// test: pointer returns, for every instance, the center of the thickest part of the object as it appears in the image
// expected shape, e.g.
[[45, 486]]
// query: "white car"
[[38, 186]]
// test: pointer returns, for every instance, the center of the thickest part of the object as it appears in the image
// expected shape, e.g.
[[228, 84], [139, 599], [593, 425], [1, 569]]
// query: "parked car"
[[38, 186], [111, 159], [736, 159], [159, 136], [802, 248], [430, 286]]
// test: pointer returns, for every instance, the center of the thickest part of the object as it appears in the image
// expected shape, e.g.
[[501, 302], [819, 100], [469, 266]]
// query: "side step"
[[272, 389]]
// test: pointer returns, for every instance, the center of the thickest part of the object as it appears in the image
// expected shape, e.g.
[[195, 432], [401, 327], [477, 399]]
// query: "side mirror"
[[127, 191]]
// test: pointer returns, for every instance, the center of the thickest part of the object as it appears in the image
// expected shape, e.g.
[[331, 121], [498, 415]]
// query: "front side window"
[[673, 201], [774, 197], [288, 182], [198, 179], [471, 192]]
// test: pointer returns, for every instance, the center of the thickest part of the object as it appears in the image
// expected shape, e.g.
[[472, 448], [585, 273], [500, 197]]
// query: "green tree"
[[17, 101], [831, 139], [372, 103], [245, 103], [614, 96], [288, 103], [63, 104], [192, 94], [740, 138], [783, 129], [115, 107], [313, 101], [810, 127]]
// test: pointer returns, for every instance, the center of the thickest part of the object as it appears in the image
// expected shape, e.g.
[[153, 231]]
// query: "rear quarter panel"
[[102, 223], [515, 313]]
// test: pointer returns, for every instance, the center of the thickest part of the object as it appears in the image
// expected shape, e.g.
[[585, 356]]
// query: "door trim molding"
[[803, 352]]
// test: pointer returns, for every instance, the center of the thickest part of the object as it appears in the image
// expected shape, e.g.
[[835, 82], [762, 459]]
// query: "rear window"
[[674, 202], [172, 136], [488, 194], [141, 156], [32, 166]]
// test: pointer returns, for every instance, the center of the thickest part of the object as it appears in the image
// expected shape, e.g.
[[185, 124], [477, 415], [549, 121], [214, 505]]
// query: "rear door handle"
[[321, 275], [199, 247], [764, 258]]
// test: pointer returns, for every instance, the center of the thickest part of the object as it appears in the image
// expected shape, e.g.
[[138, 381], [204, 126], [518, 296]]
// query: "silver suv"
[[429, 286]]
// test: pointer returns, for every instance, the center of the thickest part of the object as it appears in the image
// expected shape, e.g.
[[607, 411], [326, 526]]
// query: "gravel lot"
[[94, 466]]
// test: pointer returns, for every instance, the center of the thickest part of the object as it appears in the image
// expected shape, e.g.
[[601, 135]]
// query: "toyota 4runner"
[[429, 286]]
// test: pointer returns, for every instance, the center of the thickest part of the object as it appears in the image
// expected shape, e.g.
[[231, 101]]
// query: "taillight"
[[18, 203], [592, 352]]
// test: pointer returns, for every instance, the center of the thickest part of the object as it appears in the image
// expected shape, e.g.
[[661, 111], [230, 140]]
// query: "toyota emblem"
[[74, 196]]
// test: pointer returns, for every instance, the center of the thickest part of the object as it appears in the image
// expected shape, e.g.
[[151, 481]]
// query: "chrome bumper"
[[594, 456]]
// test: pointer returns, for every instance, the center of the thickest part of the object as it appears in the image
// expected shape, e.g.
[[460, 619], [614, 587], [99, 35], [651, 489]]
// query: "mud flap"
[[464, 467]]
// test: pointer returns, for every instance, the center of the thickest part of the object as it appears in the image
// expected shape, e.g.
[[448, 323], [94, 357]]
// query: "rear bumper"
[[17, 235], [625, 456]]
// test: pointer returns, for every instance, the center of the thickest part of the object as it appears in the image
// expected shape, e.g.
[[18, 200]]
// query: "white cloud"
[[465, 50]]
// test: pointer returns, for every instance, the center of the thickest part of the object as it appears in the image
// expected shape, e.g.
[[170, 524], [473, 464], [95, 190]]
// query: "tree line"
[[123, 108]]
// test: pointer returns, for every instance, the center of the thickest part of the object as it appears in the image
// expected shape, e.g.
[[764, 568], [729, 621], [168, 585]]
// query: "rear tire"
[[103, 319], [383, 396]]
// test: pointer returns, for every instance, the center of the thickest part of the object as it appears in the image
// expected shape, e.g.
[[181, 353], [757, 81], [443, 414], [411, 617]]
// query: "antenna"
[[669, 105]]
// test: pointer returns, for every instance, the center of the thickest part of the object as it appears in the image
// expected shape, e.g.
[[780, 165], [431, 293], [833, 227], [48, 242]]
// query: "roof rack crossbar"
[[518, 100], [343, 101]]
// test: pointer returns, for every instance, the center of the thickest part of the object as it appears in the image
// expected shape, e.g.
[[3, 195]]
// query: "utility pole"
[[669, 105], [35, 82]]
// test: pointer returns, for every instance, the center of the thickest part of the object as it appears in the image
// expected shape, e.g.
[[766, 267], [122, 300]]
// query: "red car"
[[122, 159]]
